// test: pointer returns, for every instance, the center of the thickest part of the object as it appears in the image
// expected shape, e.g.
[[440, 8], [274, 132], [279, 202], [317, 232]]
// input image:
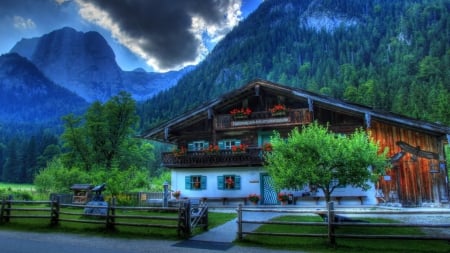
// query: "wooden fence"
[[186, 217], [129, 198], [335, 219]]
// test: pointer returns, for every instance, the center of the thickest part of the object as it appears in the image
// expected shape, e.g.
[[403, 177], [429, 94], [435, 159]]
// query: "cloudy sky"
[[157, 35]]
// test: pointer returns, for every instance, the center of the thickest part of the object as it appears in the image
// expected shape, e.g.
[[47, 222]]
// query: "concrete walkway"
[[228, 231]]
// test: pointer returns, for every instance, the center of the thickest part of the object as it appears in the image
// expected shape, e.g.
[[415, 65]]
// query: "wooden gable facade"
[[211, 136]]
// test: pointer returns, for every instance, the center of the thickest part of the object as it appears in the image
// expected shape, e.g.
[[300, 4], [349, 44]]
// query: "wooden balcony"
[[293, 117], [197, 159]]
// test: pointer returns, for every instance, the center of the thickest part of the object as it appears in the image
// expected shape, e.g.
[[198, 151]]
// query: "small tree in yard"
[[327, 160]]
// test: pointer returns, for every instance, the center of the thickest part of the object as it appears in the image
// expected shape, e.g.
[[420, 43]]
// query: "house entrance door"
[[269, 195]]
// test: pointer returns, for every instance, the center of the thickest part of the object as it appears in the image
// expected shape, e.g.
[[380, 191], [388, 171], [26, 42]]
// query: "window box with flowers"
[[254, 198], [241, 148], [278, 110], [267, 147], [176, 194], [179, 151], [283, 198], [212, 150], [242, 113]]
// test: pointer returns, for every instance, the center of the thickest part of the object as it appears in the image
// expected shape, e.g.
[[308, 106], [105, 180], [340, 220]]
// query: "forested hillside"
[[391, 55]]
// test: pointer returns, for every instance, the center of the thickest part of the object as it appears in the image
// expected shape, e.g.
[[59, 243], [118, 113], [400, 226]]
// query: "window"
[[197, 145], [195, 182], [227, 144], [229, 182]]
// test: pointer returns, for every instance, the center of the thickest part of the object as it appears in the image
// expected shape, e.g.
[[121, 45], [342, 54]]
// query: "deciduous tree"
[[314, 155]]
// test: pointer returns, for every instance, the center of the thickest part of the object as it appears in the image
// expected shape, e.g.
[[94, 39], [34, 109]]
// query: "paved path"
[[228, 231], [27, 242], [218, 239], [215, 240]]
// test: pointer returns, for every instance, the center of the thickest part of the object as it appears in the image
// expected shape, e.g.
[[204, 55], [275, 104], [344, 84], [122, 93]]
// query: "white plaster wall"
[[250, 181]]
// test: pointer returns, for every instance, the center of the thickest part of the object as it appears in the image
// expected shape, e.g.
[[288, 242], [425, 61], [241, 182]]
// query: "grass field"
[[20, 191], [99, 227], [344, 245], [16, 187]]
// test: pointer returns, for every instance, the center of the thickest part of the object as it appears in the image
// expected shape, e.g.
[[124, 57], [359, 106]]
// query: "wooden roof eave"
[[361, 111], [316, 99], [157, 133]]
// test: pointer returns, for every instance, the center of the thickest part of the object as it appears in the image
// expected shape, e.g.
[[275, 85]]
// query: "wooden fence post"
[[2, 210], [187, 216], [331, 237], [239, 222], [204, 219], [184, 219], [54, 216], [110, 214], [7, 217]]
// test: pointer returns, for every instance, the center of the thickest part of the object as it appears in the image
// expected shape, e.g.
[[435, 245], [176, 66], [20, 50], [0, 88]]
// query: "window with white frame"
[[229, 182], [228, 143], [197, 145], [195, 182]]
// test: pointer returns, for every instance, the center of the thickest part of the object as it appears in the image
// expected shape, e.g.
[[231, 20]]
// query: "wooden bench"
[[225, 200], [336, 198]]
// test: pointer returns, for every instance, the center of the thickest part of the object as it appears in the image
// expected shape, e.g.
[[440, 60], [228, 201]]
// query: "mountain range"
[[85, 64], [379, 53], [63, 72]]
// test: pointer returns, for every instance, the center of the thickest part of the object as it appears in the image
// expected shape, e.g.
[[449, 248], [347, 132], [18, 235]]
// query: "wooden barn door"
[[268, 193]]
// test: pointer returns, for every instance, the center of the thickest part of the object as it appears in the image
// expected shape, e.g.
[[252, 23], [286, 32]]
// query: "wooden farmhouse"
[[220, 146]]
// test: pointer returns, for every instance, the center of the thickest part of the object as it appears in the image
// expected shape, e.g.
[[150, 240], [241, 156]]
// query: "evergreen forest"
[[389, 55]]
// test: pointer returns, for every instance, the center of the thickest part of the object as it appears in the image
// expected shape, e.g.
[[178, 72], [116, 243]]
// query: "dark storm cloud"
[[163, 26]]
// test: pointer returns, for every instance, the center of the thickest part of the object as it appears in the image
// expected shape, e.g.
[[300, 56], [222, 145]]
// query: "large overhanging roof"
[[160, 133]]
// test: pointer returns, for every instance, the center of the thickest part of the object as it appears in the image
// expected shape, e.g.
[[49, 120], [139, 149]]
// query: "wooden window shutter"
[[237, 182], [187, 183], [203, 183], [220, 182], [221, 145]]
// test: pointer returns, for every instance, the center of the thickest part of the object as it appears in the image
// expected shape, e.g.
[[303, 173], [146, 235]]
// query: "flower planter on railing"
[[251, 156]]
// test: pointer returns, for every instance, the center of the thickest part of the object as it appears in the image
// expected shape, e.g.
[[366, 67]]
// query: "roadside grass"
[[20, 191], [344, 245], [17, 187], [42, 225]]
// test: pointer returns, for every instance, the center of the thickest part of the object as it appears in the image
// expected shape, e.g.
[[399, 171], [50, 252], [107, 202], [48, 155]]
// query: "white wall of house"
[[250, 181], [250, 184]]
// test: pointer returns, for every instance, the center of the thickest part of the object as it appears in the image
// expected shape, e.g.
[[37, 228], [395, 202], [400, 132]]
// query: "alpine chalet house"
[[219, 158]]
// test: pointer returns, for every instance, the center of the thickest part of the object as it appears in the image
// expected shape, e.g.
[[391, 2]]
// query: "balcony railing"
[[265, 118], [252, 156]]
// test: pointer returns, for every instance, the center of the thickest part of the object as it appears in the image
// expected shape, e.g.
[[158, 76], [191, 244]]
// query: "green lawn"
[[312, 244], [43, 224]]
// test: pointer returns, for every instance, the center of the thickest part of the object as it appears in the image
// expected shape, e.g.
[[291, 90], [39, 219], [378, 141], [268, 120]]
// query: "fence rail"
[[182, 221], [334, 220]]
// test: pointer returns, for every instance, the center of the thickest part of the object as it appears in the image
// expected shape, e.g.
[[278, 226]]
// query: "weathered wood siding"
[[411, 182]]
